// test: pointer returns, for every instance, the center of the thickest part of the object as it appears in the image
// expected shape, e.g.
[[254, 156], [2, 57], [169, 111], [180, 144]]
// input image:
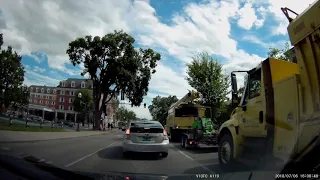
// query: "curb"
[[32, 141]]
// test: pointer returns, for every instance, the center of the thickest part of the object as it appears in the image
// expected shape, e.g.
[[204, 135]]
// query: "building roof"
[[77, 81], [45, 89]]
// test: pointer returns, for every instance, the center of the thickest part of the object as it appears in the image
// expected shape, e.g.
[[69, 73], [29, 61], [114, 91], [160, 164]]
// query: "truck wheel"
[[182, 142], [185, 141], [225, 152]]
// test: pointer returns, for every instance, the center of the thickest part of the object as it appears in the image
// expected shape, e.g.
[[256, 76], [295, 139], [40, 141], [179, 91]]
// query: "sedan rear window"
[[146, 127]]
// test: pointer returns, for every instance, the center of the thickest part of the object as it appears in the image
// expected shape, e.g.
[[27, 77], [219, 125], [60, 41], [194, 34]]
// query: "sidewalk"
[[20, 136]]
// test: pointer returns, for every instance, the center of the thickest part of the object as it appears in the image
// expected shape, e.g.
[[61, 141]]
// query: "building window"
[[47, 102], [48, 97], [71, 93], [42, 90], [40, 101], [62, 92], [48, 90], [61, 99], [73, 84], [36, 95], [35, 101], [70, 100], [54, 91], [63, 83], [41, 96], [53, 98], [53, 103], [83, 84], [70, 108], [61, 107], [30, 100], [37, 89], [31, 89]]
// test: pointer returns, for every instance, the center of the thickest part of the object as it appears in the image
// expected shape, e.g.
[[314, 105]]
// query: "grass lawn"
[[20, 127]]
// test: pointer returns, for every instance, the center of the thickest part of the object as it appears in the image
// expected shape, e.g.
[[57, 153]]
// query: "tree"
[[160, 107], [114, 66], [284, 54], [84, 104], [125, 115], [206, 75], [11, 79]]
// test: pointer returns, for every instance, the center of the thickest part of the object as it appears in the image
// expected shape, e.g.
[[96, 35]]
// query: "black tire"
[[164, 155], [183, 141], [228, 163], [126, 154]]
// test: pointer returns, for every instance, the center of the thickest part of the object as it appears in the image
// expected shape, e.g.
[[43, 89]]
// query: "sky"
[[237, 33]]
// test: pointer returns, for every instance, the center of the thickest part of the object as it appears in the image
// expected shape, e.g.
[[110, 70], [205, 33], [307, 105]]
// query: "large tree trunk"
[[97, 113], [97, 116]]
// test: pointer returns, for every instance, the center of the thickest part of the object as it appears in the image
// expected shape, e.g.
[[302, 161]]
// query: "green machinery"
[[202, 133]]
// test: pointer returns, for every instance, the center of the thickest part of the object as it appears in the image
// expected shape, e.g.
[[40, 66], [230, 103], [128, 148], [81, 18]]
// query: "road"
[[103, 154]]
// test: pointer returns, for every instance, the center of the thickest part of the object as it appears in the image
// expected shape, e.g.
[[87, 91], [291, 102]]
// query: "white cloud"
[[256, 40], [38, 69], [33, 78], [274, 7], [248, 17]]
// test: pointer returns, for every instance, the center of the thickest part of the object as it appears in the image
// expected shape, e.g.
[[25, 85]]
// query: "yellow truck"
[[182, 115], [278, 115]]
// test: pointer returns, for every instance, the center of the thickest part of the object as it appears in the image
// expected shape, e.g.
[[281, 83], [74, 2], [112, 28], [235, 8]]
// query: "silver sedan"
[[145, 136]]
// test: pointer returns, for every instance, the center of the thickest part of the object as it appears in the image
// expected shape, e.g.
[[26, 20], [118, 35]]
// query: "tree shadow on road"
[[115, 153]]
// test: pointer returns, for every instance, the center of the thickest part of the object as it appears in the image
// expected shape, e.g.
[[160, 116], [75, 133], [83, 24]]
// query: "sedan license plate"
[[146, 139]]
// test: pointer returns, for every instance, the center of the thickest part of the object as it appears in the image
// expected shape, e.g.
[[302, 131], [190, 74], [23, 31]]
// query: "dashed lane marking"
[[84, 157], [188, 157]]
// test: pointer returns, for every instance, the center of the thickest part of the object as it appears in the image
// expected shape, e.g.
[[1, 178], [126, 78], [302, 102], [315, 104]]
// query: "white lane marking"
[[187, 156], [74, 162]]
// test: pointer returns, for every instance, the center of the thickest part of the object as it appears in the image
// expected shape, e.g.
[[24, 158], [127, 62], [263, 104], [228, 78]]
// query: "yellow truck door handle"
[[261, 117]]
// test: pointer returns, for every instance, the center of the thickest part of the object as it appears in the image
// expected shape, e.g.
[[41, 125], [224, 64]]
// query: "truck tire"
[[225, 153], [182, 142]]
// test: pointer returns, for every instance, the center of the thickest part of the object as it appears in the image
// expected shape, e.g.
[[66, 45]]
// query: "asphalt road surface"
[[103, 154]]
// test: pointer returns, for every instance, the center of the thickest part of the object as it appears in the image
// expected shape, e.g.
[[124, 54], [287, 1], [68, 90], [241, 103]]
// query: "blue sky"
[[238, 33]]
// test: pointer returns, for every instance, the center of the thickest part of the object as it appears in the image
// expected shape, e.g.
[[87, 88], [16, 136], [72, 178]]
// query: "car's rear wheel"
[[164, 155], [126, 154]]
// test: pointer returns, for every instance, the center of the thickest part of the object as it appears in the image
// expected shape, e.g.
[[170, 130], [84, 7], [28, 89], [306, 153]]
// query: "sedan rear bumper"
[[148, 147]]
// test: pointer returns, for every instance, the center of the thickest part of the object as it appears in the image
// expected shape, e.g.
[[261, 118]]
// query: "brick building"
[[57, 101]]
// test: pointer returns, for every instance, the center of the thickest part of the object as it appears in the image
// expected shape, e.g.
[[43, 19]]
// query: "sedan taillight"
[[165, 133]]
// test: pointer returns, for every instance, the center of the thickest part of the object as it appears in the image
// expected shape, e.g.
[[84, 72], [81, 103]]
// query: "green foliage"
[[206, 75], [115, 65], [83, 104], [125, 115], [160, 107], [284, 54], [12, 76]]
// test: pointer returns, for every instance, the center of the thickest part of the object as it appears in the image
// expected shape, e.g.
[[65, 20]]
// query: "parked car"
[[145, 136]]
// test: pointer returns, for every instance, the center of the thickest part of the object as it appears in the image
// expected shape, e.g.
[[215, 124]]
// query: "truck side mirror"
[[234, 90]]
